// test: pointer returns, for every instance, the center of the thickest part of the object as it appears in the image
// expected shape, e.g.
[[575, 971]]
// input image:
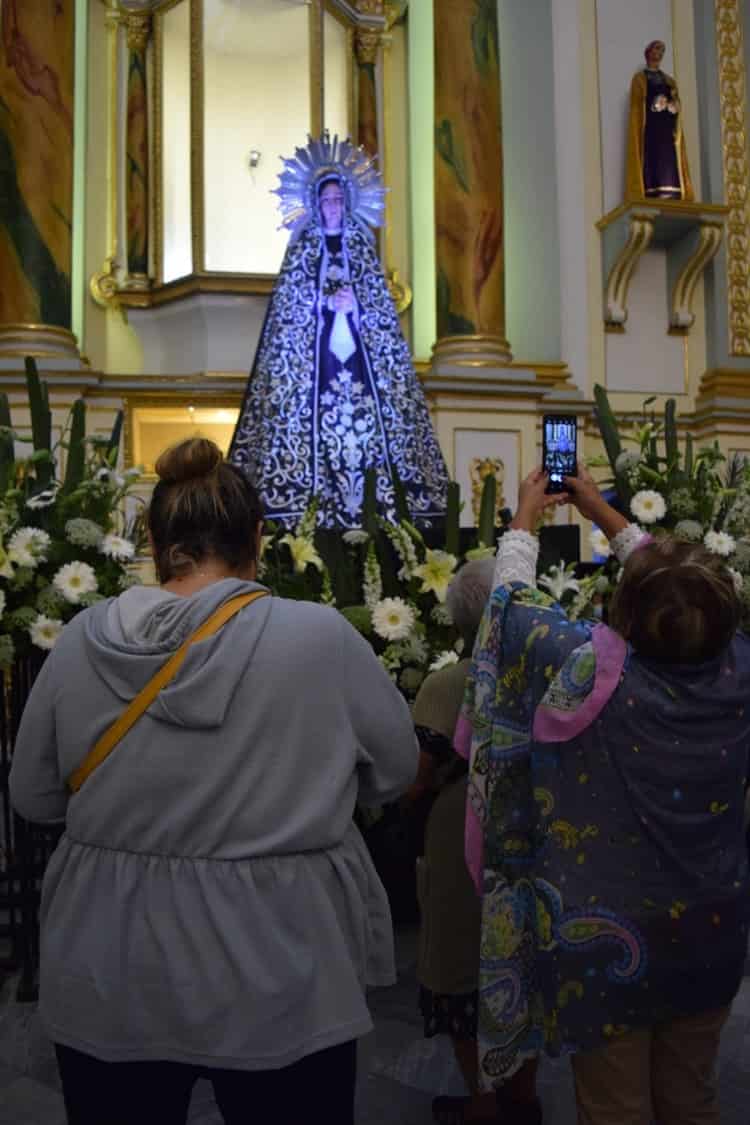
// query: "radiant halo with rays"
[[326, 157]]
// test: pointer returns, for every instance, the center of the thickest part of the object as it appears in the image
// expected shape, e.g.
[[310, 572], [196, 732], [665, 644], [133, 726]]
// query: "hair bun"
[[191, 459]]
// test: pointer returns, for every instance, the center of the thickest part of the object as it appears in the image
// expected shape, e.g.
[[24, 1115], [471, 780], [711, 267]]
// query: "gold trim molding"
[[732, 87]]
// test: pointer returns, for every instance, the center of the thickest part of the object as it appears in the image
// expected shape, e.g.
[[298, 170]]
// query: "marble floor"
[[400, 1072]]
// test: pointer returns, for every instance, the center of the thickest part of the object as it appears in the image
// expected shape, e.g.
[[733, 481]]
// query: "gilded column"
[[469, 185], [366, 46], [37, 52], [138, 25]]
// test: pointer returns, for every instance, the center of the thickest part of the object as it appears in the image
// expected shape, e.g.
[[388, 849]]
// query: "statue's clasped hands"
[[343, 300]]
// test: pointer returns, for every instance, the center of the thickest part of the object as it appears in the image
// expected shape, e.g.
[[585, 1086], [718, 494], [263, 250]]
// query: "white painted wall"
[[624, 27], [645, 358]]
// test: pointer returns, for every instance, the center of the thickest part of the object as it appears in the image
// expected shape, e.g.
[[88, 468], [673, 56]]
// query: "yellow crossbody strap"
[[148, 694]]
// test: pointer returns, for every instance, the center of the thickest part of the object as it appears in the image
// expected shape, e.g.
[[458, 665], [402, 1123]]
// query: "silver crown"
[[323, 158]]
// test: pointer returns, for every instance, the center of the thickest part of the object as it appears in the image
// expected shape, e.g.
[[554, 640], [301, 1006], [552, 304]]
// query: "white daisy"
[[599, 543], [115, 547], [44, 632], [719, 543], [74, 580], [393, 619], [443, 660], [648, 506], [28, 546]]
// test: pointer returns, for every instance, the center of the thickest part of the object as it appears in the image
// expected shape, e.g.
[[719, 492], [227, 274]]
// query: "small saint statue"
[[657, 165]]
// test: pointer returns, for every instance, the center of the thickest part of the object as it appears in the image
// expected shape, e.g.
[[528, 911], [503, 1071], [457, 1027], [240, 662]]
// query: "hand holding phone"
[[559, 449]]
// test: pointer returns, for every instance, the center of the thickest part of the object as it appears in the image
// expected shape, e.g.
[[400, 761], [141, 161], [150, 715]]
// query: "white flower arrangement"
[[393, 619], [719, 543], [52, 530], [444, 660], [117, 547], [648, 506], [28, 547], [436, 572], [599, 543], [74, 580], [45, 632]]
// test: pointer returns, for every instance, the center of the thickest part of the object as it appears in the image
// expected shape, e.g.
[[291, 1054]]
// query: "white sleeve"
[[626, 541], [517, 554]]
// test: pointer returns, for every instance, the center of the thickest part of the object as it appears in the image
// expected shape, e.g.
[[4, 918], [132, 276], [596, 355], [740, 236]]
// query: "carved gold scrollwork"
[[370, 7], [138, 25], [103, 286], [732, 92], [366, 42], [618, 283], [400, 291]]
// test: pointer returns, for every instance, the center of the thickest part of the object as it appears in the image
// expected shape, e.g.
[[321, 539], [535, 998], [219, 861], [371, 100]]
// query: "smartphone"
[[559, 449]]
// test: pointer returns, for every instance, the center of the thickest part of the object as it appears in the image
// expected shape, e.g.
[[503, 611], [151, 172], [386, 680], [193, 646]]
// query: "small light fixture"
[[253, 159]]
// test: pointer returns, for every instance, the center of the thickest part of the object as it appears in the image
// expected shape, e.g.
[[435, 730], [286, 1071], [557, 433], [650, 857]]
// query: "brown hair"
[[676, 603], [201, 508]]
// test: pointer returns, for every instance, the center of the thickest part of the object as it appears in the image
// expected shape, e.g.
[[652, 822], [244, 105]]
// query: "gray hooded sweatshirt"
[[211, 901]]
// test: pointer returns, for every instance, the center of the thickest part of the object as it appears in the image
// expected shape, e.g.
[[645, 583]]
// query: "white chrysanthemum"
[[43, 499], [648, 506], [443, 660], [737, 578], [45, 631], [83, 533], [599, 543], [436, 572], [74, 580], [303, 553], [355, 536], [719, 543], [116, 547], [28, 546], [393, 619]]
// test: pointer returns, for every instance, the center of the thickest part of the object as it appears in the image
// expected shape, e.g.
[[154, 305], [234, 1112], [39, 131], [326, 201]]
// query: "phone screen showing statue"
[[560, 455]]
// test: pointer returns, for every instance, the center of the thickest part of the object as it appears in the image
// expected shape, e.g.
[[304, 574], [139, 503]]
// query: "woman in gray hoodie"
[[211, 908]]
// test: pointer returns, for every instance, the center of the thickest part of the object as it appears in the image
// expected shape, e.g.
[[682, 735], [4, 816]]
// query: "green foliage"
[[487, 511]]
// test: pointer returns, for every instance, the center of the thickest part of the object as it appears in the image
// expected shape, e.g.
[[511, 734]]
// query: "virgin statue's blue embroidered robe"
[[332, 394]]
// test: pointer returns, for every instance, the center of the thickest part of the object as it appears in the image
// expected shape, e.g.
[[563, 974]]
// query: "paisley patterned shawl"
[[597, 916], [276, 436]]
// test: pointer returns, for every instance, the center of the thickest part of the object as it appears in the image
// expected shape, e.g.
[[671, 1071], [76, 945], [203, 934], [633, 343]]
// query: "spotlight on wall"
[[253, 159]]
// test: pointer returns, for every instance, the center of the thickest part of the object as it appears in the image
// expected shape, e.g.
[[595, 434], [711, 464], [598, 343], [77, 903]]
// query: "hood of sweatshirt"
[[129, 638]]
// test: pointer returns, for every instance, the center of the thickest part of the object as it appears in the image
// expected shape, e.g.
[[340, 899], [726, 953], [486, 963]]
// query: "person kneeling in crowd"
[[605, 821], [211, 909]]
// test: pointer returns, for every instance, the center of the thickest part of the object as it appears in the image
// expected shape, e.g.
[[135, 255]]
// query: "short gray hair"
[[469, 593]]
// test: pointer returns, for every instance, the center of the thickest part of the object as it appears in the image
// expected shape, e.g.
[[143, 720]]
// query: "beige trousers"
[[665, 1072]]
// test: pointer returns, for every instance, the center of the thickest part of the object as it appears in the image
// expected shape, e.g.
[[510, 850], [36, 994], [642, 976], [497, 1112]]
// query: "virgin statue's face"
[[332, 207]]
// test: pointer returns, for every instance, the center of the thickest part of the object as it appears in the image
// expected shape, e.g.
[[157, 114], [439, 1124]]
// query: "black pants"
[[319, 1087]]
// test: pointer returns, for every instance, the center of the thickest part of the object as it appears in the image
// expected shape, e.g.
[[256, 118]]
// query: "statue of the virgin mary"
[[333, 390]]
